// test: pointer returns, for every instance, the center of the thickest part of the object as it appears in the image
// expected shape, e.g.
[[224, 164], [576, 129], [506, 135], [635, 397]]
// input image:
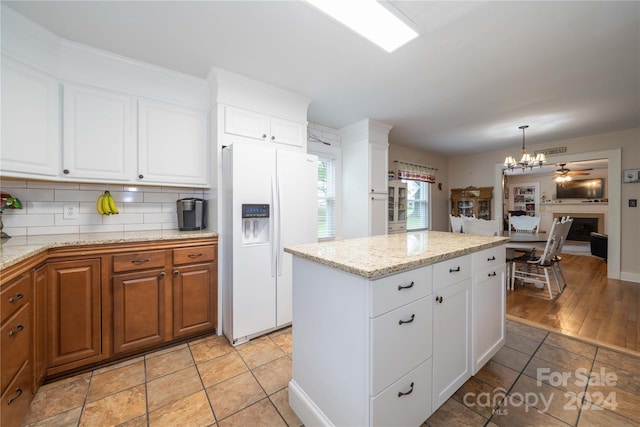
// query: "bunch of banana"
[[106, 205]]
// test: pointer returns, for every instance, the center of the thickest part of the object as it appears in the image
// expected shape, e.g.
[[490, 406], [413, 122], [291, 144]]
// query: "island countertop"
[[19, 248], [378, 256]]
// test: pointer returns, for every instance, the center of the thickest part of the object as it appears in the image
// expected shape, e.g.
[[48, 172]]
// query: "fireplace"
[[583, 225], [581, 229]]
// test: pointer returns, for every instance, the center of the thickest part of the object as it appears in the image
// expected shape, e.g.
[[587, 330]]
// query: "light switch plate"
[[70, 212]]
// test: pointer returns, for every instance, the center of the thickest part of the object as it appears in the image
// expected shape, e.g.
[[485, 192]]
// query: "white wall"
[[141, 207], [479, 169]]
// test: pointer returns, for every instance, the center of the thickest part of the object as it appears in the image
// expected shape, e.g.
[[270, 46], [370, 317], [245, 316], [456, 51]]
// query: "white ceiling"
[[478, 71]]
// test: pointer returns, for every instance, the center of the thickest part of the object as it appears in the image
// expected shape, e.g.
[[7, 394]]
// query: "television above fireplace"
[[580, 189]]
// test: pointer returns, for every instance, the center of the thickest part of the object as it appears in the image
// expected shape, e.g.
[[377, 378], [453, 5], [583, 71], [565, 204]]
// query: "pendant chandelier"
[[527, 160]]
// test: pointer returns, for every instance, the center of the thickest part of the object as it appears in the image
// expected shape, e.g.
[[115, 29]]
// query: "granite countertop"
[[378, 256], [17, 249]]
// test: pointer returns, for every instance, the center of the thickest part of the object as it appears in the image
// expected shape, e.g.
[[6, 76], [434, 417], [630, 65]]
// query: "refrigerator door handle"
[[280, 236], [274, 231]]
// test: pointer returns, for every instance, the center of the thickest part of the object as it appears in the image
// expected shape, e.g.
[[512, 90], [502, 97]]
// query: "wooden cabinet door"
[[451, 339], [99, 134], [39, 326], [138, 310], [194, 299], [73, 312]]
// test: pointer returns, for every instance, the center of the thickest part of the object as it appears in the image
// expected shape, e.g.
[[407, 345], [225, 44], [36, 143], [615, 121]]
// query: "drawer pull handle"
[[492, 274], [493, 258], [439, 299], [194, 255], [140, 261], [400, 393], [454, 270], [16, 330], [413, 316], [410, 285], [18, 296], [18, 394]]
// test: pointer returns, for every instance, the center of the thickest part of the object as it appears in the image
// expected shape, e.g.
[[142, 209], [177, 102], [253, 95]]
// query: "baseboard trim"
[[630, 277], [305, 408]]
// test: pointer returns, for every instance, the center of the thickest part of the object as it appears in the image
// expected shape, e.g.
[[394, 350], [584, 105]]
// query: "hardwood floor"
[[592, 307]]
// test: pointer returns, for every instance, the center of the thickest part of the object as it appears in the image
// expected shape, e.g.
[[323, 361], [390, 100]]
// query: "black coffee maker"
[[191, 214]]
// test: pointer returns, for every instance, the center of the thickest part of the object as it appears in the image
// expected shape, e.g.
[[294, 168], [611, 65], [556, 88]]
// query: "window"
[[417, 205], [326, 197]]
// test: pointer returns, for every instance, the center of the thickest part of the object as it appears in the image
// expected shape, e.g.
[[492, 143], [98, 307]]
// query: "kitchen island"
[[387, 328]]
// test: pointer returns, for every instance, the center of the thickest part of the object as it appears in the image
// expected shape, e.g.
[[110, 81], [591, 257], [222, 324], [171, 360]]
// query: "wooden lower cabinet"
[[195, 300], [138, 310], [74, 312]]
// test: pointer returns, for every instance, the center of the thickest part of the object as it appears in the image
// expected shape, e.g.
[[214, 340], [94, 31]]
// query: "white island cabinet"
[[382, 328]]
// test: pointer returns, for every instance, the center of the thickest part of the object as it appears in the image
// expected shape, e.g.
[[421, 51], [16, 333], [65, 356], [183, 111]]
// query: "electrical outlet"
[[70, 212]]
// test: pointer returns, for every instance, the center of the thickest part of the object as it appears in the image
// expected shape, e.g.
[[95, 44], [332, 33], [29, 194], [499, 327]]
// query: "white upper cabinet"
[[98, 134], [30, 122], [172, 144], [249, 124], [378, 176]]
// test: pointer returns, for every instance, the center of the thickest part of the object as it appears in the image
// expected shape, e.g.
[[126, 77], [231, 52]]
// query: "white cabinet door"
[[246, 123], [378, 165], [451, 339], [30, 122], [288, 132], [377, 214], [488, 315], [99, 134], [173, 146]]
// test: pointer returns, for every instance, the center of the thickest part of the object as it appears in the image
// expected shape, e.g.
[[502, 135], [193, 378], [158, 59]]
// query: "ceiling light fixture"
[[527, 160], [369, 19]]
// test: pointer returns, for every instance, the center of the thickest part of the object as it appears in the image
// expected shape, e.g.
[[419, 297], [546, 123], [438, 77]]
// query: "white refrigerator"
[[270, 201]]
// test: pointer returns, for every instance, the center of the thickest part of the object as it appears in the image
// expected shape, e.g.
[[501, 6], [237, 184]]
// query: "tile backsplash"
[[141, 207]]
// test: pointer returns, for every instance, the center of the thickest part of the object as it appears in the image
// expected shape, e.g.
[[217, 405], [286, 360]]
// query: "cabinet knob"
[[264, 135], [163, 274], [66, 171], [439, 299], [176, 272], [140, 176], [18, 296], [273, 138]]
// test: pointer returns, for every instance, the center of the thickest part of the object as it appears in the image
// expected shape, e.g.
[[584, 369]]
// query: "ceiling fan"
[[564, 173]]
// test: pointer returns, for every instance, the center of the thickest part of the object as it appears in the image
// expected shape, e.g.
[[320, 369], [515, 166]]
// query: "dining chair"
[[524, 223], [480, 226], [456, 223], [535, 269]]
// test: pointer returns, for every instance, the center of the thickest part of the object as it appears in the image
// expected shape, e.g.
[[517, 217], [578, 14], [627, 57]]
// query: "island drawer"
[[407, 402], [400, 341], [138, 261], [15, 295], [399, 289], [488, 259], [195, 254], [451, 271]]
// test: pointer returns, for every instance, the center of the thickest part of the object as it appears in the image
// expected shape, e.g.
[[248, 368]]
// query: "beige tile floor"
[[207, 382]]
